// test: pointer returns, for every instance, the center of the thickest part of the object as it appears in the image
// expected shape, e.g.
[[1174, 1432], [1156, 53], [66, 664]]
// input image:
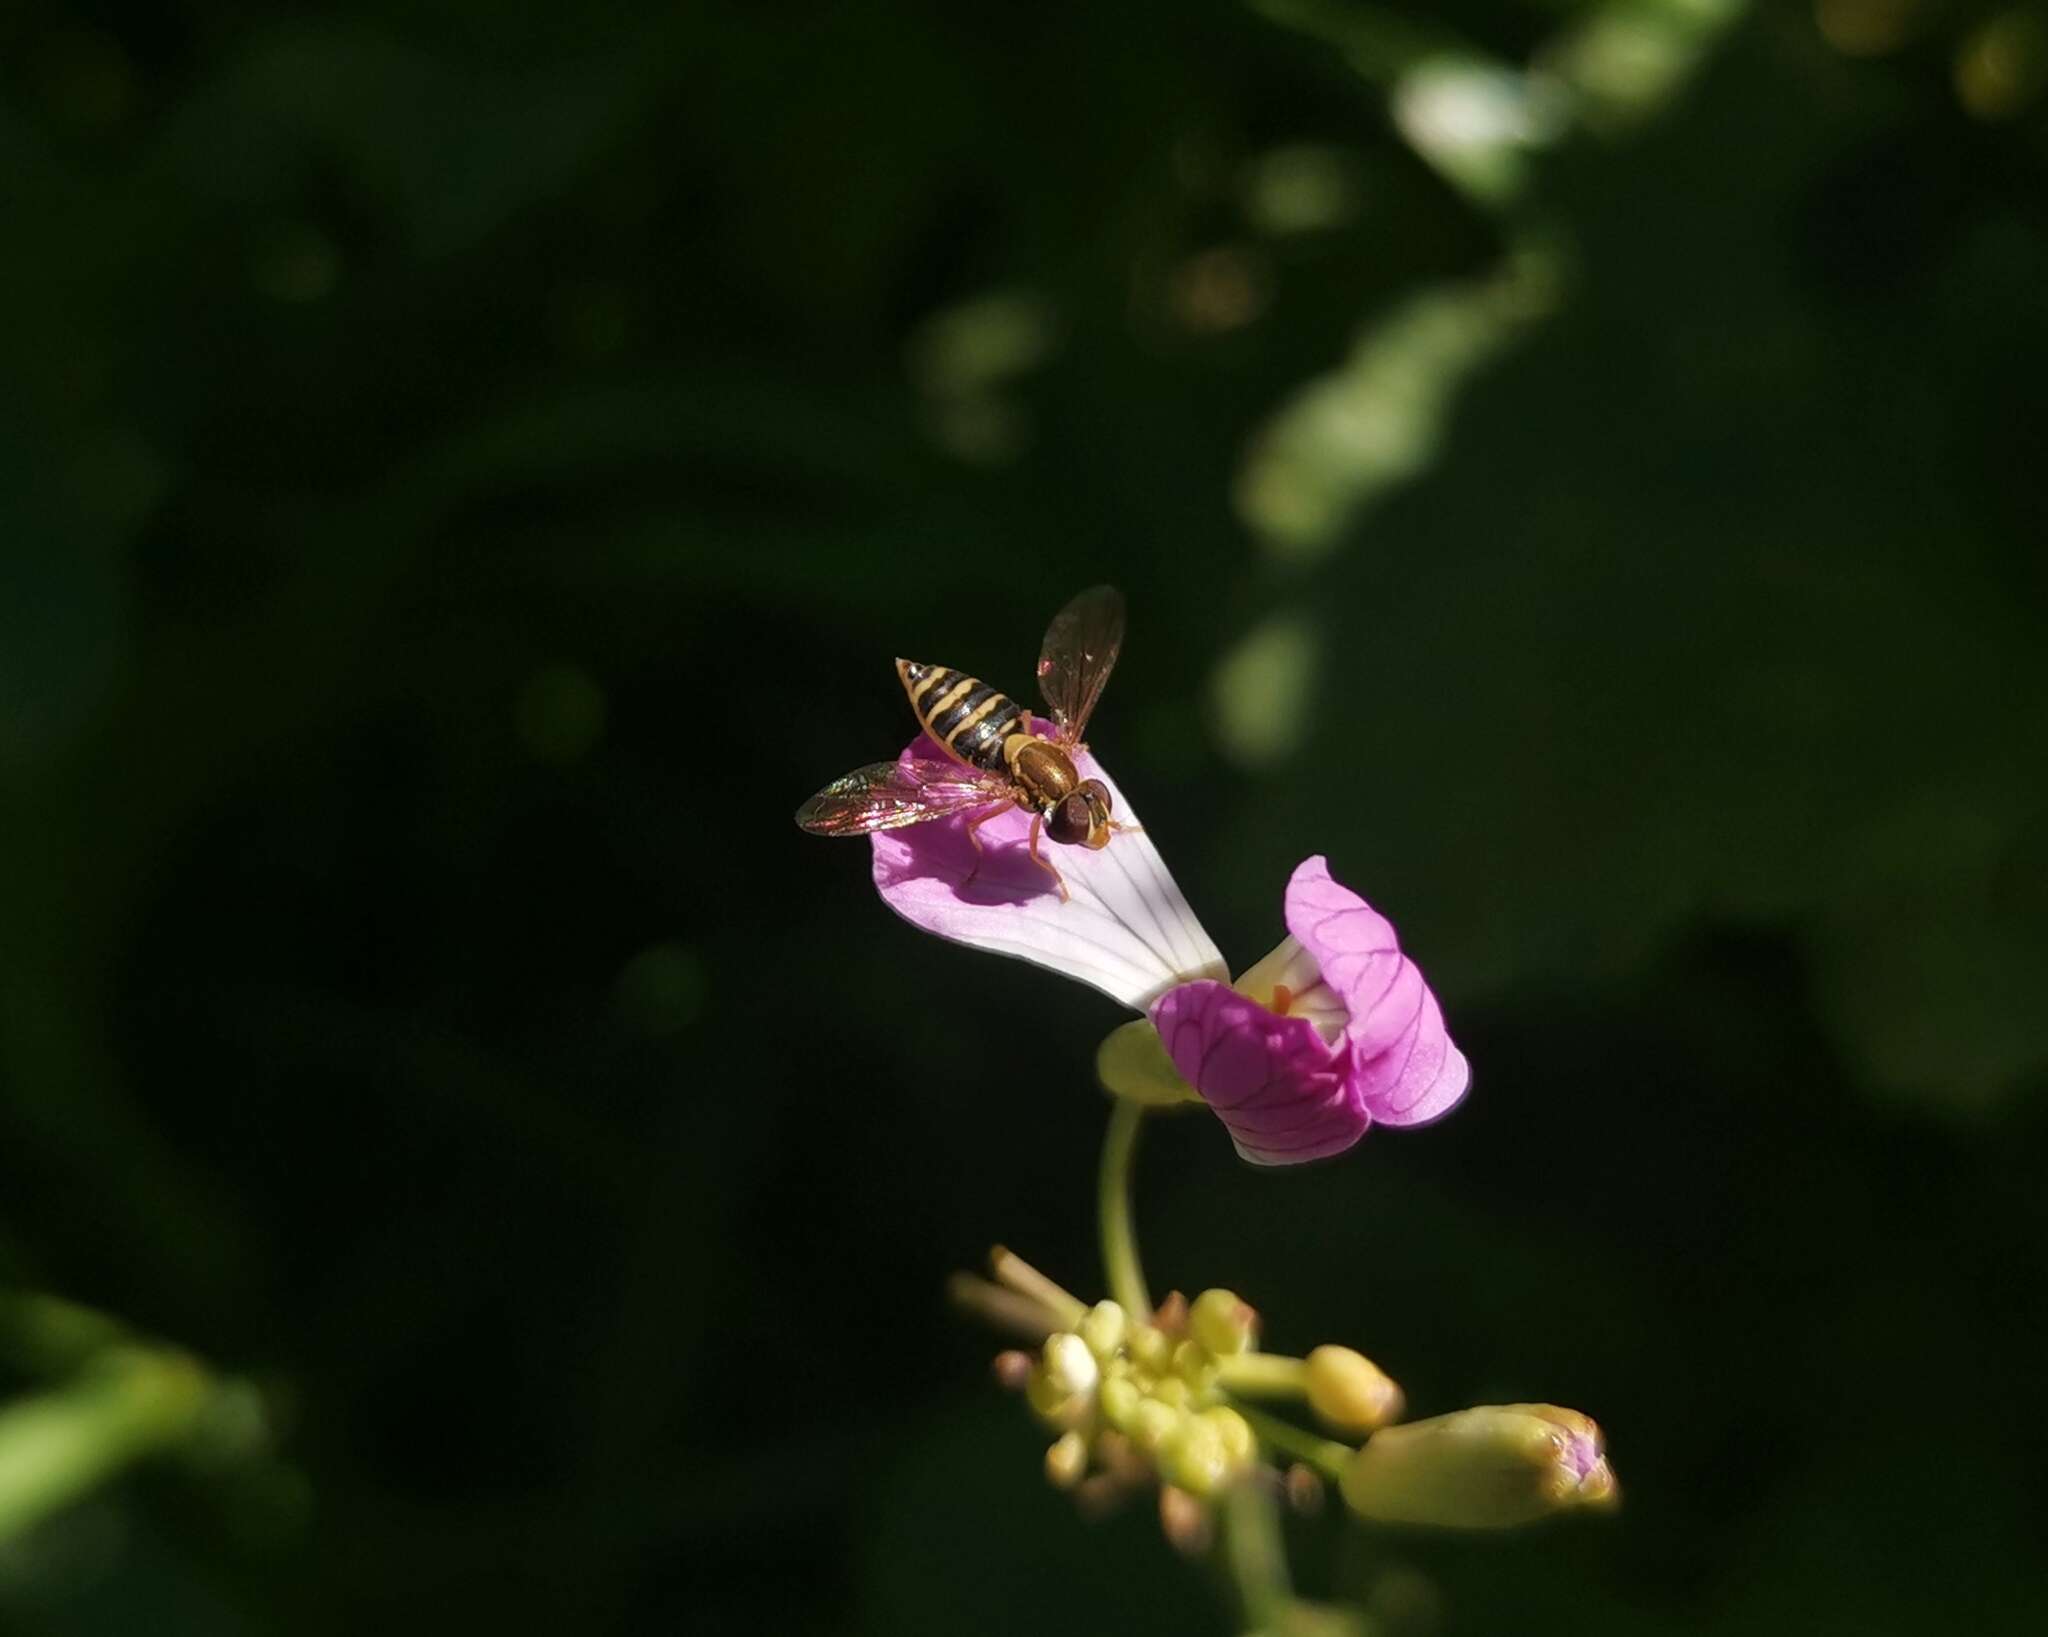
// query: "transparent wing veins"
[[1080, 651], [891, 795]]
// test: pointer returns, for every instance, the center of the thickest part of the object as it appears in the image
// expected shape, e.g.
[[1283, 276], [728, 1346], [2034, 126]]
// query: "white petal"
[[1124, 928]]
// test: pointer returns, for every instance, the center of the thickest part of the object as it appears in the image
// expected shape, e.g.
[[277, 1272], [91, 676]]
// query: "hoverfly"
[[996, 761]]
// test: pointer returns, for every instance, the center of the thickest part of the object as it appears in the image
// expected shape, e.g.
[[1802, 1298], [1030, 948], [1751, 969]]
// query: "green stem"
[[1255, 1554], [1326, 1455], [1262, 1375], [1119, 1240]]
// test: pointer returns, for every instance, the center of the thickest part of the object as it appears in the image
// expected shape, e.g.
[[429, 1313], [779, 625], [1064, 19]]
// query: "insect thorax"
[[1043, 772]]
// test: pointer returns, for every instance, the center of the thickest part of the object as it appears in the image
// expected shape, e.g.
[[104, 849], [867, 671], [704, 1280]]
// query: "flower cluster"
[[1174, 1397]]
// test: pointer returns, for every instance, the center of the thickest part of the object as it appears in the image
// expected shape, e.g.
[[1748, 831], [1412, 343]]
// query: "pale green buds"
[[1151, 1346], [1194, 1457], [1067, 1461], [1239, 1443], [1173, 1391], [1070, 1367], [1131, 1062], [1062, 1387], [1152, 1423], [1195, 1365], [1487, 1468], [1119, 1398], [1348, 1392], [1103, 1330], [1222, 1322]]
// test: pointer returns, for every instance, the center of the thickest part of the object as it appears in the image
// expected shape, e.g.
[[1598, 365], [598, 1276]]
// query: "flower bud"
[[1132, 1062], [1193, 1457], [1195, 1365], [1119, 1398], [1184, 1521], [1070, 1366], [1103, 1330], [1151, 1346], [1062, 1386], [1348, 1392], [1223, 1322], [1239, 1443], [1067, 1460], [1152, 1423], [1173, 1391], [1488, 1468]]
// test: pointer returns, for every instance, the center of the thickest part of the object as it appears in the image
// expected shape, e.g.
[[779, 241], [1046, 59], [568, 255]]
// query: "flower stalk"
[[1120, 1263]]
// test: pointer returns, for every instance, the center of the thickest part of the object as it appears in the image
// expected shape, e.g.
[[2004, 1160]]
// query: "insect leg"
[[1046, 864], [975, 824]]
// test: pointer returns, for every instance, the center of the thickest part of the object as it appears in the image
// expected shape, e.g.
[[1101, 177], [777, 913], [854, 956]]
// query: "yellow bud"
[[1062, 1386], [1152, 1423], [1195, 1365], [1067, 1460], [1069, 1364], [1193, 1457], [1223, 1322], [1488, 1468], [1172, 1390], [1119, 1398], [1235, 1433], [1103, 1330], [1133, 1063], [1350, 1393], [1151, 1346]]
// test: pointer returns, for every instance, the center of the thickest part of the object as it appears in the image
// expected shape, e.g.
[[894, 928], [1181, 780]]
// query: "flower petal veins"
[[1124, 928]]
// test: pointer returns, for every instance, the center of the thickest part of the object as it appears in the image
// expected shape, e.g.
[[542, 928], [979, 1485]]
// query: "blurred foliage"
[[464, 471]]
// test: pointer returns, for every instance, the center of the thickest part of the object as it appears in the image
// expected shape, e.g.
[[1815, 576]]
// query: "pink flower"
[[1124, 929], [1333, 1030]]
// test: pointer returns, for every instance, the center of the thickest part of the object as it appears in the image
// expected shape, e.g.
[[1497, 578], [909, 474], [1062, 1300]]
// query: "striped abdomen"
[[968, 717]]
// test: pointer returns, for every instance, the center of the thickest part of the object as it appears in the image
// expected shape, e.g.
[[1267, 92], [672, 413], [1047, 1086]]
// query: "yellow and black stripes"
[[967, 716]]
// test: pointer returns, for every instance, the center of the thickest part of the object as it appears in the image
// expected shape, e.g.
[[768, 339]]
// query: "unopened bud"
[[1151, 1346], [1488, 1468], [1069, 1364], [1152, 1423], [1119, 1398], [1223, 1322], [1067, 1460], [1062, 1386], [1013, 1369], [1239, 1443], [1132, 1062], [1350, 1393], [1103, 1330], [1193, 1457], [1184, 1521], [1304, 1489], [1173, 1390], [1195, 1365]]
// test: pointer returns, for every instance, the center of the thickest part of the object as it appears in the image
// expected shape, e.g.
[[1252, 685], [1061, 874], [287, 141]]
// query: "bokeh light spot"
[[2002, 66], [1261, 691]]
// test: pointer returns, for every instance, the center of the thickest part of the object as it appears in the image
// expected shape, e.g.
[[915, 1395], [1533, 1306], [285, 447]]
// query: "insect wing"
[[890, 795], [1080, 650]]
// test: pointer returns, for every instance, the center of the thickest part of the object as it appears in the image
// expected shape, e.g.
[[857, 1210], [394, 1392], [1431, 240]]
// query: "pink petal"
[[1125, 928], [1407, 1070], [1419, 1078], [1274, 1081]]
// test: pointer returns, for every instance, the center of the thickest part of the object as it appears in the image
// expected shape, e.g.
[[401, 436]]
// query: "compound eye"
[[1068, 822], [1097, 789]]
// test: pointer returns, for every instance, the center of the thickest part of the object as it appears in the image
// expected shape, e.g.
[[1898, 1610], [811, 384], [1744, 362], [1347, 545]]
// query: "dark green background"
[[464, 472]]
